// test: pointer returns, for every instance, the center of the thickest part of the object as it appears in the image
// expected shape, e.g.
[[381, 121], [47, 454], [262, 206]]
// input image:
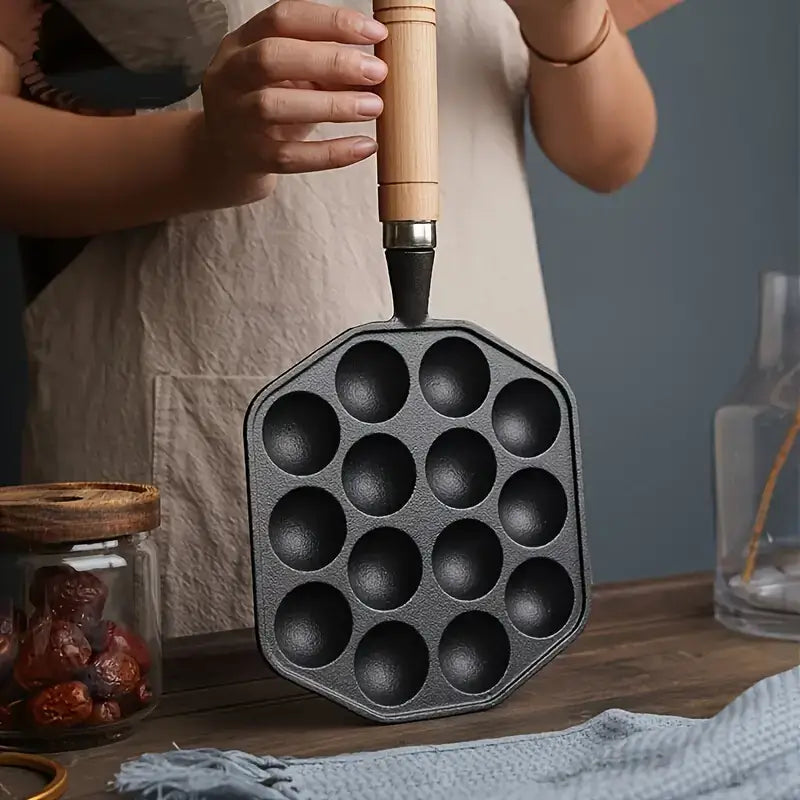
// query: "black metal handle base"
[[410, 274]]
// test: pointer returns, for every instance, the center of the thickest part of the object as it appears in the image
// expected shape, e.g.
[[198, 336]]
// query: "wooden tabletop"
[[650, 646]]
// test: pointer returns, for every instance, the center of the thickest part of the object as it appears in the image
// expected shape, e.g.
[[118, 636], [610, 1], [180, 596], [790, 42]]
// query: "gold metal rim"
[[42, 766]]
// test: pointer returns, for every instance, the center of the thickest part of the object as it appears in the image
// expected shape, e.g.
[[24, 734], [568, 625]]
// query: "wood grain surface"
[[77, 511], [408, 129], [650, 646]]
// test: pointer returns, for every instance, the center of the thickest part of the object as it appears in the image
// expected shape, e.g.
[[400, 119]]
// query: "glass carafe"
[[757, 476]]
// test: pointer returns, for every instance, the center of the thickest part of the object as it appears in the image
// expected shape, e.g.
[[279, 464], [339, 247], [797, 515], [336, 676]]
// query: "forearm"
[[65, 175], [596, 121], [9, 74]]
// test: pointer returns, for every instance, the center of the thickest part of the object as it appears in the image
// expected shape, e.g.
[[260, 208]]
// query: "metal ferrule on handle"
[[408, 130]]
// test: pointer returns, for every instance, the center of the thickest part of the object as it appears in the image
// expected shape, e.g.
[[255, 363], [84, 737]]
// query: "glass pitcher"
[[757, 476]]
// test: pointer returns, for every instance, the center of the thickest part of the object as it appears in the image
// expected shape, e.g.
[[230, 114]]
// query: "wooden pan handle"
[[408, 129]]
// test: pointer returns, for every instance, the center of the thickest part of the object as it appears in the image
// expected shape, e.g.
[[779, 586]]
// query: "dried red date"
[[110, 636], [105, 712], [64, 593], [113, 674], [31, 669], [138, 699], [133, 644], [44, 577], [69, 649], [143, 694], [11, 712], [64, 705], [51, 652], [100, 636]]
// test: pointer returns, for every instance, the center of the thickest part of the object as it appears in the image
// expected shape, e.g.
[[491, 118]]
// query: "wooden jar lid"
[[78, 512]]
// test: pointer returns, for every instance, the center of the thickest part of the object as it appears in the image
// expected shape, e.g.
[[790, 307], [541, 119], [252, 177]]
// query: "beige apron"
[[147, 349]]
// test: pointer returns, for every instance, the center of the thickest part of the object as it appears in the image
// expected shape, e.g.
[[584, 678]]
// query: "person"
[[234, 232]]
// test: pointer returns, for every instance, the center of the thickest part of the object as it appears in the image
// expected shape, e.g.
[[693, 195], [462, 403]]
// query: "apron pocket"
[[198, 465]]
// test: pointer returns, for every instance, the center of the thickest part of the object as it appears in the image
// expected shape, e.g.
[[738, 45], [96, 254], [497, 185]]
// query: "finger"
[[339, 87], [275, 60], [313, 22], [291, 133], [296, 157], [327, 87], [289, 106]]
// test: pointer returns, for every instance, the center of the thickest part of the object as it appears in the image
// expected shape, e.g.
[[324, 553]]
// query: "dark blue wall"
[[653, 291]]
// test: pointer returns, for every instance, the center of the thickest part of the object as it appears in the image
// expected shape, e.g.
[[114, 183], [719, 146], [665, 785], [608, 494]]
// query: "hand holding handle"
[[408, 130]]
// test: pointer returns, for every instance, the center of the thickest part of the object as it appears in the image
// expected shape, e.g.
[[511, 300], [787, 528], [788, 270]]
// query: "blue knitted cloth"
[[749, 751]]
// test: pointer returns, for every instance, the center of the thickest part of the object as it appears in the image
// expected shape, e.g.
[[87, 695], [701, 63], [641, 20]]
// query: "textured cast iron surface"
[[416, 517]]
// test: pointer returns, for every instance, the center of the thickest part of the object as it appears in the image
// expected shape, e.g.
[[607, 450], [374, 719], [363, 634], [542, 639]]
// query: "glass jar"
[[80, 639], [757, 476]]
